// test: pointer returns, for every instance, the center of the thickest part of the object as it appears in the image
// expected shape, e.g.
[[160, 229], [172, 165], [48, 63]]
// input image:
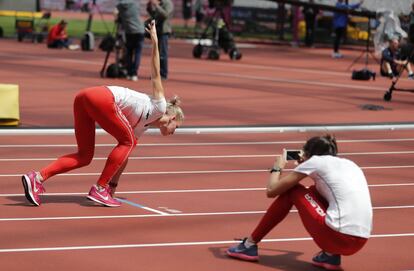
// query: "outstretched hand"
[[152, 31], [280, 161]]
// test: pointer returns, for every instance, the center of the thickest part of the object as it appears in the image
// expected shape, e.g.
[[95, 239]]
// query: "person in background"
[[129, 17], [187, 10], [162, 11], [280, 20], [411, 27], [336, 210], [310, 14], [392, 64], [57, 37], [340, 22], [199, 9], [123, 113]]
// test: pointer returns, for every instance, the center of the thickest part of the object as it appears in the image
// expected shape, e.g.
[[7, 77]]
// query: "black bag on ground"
[[107, 44], [116, 71], [363, 74]]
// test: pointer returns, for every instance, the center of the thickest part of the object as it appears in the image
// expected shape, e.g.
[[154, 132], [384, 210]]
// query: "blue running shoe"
[[326, 261], [242, 252]]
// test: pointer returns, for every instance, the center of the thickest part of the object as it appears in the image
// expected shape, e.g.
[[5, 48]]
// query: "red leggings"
[[312, 210], [92, 105]]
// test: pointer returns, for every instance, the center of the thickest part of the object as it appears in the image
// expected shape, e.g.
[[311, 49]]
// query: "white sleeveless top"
[[138, 108]]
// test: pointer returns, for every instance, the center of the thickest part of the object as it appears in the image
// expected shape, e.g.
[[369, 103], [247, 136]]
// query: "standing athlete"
[[123, 113], [336, 211]]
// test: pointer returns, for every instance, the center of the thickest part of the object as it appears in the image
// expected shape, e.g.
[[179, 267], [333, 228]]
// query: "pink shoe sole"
[[28, 190], [103, 203], [327, 266], [243, 257]]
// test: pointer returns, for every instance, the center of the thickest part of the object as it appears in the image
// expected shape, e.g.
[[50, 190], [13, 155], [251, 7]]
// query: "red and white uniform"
[[139, 108], [342, 183], [123, 113], [336, 211]]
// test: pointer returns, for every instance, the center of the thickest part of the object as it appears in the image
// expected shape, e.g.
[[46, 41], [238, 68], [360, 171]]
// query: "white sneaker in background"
[[337, 55], [73, 47]]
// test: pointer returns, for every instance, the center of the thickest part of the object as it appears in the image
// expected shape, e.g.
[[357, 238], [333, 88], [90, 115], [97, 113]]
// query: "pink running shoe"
[[103, 197], [32, 187]]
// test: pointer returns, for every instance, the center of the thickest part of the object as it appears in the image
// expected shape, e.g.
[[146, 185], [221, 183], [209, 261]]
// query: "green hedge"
[[76, 27]]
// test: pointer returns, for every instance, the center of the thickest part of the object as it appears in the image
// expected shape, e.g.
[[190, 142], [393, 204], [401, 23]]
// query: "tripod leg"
[[388, 94], [102, 73], [355, 60]]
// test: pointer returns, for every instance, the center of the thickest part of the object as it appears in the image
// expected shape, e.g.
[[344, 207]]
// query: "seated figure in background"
[[392, 64], [58, 37]]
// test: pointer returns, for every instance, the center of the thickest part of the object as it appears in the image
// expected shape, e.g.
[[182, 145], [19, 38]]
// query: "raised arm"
[[157, 88]]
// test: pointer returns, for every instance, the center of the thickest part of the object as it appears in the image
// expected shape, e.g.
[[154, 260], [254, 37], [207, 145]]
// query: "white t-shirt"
[[139, 108], [342, 183]]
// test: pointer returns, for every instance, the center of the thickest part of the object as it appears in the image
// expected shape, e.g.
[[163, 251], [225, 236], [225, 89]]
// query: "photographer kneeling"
[[392, 63], [336, 211]]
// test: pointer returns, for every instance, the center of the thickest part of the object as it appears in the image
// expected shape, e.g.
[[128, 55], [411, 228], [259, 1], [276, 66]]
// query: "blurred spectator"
[[227, 13], [392, 64], [223, 7], [199, 9], [340, 22], [187, 11], [134, 33], [162, 11], [411, 29], [69, 4], [405, 22], [295, 12], [85, 6], [58, 37], [309, 14], [280, 20]]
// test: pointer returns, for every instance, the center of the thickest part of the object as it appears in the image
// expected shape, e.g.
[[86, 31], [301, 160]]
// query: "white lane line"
[[141, 206], [13, 219], [187, 190], [155, 157], [178, 244], [201, 171], [156, 172], [204, 156], [206, 143]]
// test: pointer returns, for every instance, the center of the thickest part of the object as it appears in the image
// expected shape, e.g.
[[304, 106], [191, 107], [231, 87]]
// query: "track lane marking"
[[186, 190], [141, 206], [178, 244], [201, 171], [167, 215], [231, 156], [208, 143]]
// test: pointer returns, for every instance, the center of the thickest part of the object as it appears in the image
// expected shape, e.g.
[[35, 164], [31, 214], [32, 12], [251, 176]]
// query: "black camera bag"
[[363, 74]]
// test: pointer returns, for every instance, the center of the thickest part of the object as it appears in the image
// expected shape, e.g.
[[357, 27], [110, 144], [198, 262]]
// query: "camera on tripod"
[[114, 42]]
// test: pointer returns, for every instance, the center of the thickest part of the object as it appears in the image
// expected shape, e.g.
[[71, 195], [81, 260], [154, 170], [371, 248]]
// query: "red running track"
[[199, 192]]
